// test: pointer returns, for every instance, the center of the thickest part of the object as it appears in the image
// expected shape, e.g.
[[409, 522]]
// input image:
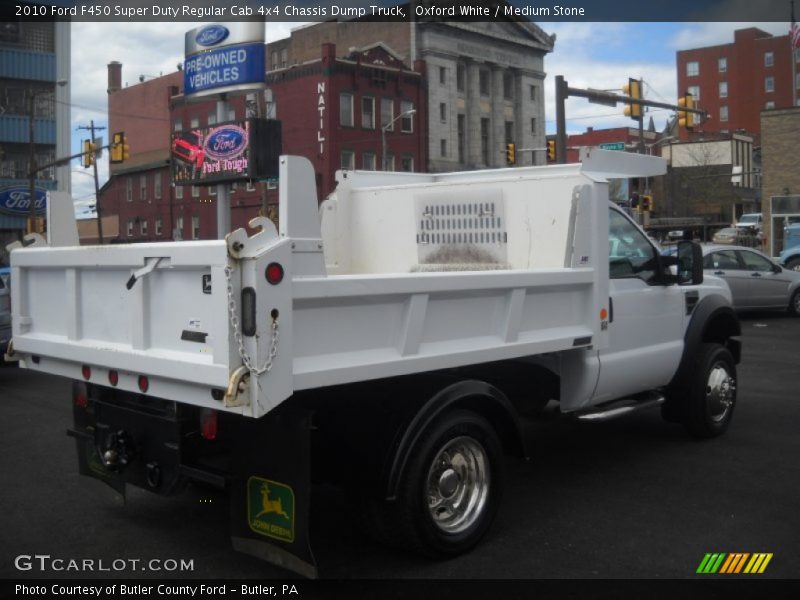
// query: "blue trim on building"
[[15, 129], [23, 64], [12, 222]]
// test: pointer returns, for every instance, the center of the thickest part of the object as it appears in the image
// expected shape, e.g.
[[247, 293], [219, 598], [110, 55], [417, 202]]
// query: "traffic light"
[[647, 204], [633, 89], [120, 150], [88, 157], [685, 118], [511, 154], [551, 150]]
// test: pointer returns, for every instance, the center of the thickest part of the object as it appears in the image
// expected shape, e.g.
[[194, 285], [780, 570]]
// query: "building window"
[[770, 105], [722, 63], [157, 185], [723, 113], [368, 161], [509, 128], [769, 84], [177, 126], [179, 228], [407, 122], [692, 69], [461, 137], [272, 184], [694, 90], [533, 126], [348, 160], [212, 118], [194, 123], [130, 228], [407, 163], [275, 62], [232, 114], [485, 141], [179, 192], [769, 59], [195, 227], [195, 191], [346, 110], [723, 89], [368, 113], [129, 189], [143, 187], [533, 94], [508, 86], [284, 57], [461, 76], [250, 187], [387, 114], [443, 112], [483, 82], [143, 226], [159, 226], [388, 162], [442, 75], [443, 148], [212, 190]]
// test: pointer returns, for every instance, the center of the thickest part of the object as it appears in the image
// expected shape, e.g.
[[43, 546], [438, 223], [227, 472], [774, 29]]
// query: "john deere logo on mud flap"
[[270, 508]]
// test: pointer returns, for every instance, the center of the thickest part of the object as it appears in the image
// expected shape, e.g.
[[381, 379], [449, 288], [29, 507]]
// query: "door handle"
[[755, 275], [719, 272]]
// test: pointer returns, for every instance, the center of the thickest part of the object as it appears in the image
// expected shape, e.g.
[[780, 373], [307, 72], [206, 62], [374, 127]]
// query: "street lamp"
[[386, 127], [32, 157]]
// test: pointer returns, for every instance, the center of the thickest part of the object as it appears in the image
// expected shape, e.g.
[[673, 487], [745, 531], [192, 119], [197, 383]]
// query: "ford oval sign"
[[16, 200], [226, 141], [211, 35]]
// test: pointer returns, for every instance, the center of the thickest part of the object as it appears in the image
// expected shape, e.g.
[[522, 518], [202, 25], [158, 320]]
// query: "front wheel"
[[794, 303], [793, 264], [711, 392]]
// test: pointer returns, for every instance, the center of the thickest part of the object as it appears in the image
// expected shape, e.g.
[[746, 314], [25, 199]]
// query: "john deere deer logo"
[[270, 508]]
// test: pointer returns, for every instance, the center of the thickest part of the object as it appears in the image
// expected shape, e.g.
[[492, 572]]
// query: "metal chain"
[[237, 334]]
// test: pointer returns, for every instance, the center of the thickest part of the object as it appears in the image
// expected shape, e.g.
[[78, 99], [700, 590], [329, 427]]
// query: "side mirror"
[[690, 263]]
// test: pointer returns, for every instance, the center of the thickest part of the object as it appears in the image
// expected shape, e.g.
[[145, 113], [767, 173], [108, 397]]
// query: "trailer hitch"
[[118, 452], [237, 386]]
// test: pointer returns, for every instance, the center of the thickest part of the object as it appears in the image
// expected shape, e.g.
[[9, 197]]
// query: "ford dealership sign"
[[16, 200], [226, 142], [211, 35]]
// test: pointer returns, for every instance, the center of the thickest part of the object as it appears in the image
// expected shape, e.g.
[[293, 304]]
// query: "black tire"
[[794, 303], [410, 522], [793, 264], [710, 392]]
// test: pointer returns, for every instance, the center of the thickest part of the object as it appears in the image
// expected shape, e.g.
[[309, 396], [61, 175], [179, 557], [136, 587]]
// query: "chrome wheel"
[[457, 486], [720, 392]]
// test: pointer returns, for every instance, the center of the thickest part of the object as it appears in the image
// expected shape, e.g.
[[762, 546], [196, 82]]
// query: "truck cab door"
[[646, 324]]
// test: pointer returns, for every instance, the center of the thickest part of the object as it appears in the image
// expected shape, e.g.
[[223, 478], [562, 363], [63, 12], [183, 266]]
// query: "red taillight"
[[274, 273], [113, 378], [208, 424], [86, 371], [80, 394], [144, 383]]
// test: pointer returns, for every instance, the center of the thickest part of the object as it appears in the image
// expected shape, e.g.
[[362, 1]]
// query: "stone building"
[[780, 174], [485, 82]]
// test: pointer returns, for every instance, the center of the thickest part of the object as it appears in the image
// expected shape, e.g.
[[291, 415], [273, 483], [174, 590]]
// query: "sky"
[[588, 55]]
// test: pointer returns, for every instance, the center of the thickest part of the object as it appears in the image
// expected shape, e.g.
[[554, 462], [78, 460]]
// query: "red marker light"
[[274, 273], [86, 371], [80, 394], [144, 383], [113, 378], [208, 424]]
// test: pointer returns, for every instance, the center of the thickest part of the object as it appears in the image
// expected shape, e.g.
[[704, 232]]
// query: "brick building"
[[138, 203], [781, 176], [333, 111], [735, 82], [485, 81]]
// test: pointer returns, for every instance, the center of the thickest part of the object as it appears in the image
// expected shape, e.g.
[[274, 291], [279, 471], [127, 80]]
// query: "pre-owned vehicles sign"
[[224, 67]]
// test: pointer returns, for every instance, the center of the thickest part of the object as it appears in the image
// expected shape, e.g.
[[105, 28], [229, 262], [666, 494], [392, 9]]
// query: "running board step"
[[622, 407]]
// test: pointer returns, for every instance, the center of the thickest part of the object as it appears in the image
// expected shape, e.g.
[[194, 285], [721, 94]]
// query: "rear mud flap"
[[270, 490]]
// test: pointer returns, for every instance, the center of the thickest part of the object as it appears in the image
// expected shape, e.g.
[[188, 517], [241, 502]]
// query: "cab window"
[[724, 259], [630, 253], [754, 262]]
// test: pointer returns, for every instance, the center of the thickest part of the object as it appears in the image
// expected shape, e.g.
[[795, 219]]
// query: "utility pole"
[[91, 129]]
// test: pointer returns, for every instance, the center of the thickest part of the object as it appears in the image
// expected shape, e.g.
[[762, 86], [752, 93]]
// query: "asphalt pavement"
[[631, 498]]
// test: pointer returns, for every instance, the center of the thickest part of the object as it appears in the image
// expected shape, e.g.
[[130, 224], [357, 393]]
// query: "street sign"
[[613, 146]]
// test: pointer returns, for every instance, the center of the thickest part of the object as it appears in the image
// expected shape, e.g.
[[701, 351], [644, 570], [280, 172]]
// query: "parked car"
[[756, 282], [735, 235], [5, 310], [790, 256], [752, 220]]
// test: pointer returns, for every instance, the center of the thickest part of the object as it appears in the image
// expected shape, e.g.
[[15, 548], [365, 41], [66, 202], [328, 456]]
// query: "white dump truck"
[[388, 341]]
